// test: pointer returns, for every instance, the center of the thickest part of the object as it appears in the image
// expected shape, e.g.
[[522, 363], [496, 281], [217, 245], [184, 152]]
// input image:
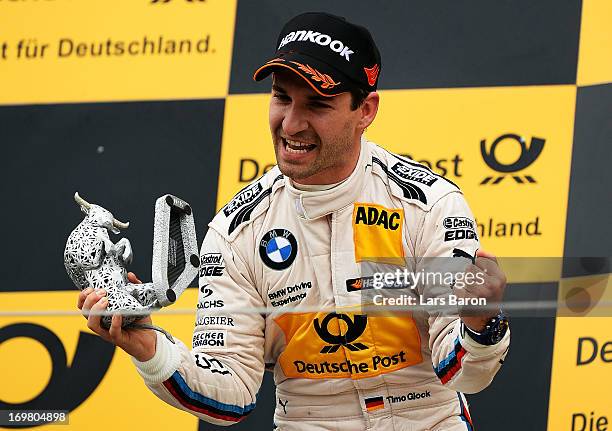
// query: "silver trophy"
[[92, 259]]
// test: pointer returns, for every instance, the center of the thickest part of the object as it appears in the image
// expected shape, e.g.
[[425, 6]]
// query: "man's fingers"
[[488, 263], [93, 321], [82, 296], [486, 255], [115, 330], [477, 281], [488, 281], [91, 300], [133, 279]]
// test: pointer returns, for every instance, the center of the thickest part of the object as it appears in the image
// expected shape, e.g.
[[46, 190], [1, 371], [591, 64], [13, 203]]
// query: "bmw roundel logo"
[[278, 249]]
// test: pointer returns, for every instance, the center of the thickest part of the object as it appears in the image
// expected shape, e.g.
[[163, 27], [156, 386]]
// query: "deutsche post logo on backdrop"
[[110, 50], [508, 149], [55, 362], [526, 157], [342, 345], [91, 360]]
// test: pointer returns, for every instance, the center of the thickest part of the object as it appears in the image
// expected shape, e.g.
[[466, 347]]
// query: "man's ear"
[[368, 110]]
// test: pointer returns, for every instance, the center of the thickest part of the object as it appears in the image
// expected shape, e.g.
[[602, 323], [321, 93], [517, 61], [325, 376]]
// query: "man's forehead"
[[285, 80]]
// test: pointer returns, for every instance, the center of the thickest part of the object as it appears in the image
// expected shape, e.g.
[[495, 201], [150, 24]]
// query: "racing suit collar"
[[311, 205]]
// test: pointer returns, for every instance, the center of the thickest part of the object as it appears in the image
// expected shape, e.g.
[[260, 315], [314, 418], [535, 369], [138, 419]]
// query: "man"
[[298, 237]]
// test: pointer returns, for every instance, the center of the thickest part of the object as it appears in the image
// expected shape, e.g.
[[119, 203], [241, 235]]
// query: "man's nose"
[[294, 121]]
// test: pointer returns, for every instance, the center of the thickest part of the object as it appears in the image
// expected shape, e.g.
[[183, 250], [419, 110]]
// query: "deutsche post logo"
[[354, 331], [527, 157], [314, 340], [82, 374]]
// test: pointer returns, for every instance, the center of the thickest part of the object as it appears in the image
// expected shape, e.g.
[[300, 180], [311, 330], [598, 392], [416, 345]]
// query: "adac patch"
[[278, 249], [377, 233]]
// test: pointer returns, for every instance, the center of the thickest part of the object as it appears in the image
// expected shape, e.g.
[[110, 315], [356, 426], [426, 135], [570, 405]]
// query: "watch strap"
[[493, 332]]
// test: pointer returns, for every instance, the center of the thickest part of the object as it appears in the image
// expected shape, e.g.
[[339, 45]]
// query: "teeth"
[[296, 143], [297, 147], [291, 150]]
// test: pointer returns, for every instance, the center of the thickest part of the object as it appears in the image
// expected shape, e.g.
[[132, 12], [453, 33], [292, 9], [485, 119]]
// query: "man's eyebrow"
[[278, 89], [317, 98]]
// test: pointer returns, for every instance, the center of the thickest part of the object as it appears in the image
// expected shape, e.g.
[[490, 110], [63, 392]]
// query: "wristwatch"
[[493, 332]]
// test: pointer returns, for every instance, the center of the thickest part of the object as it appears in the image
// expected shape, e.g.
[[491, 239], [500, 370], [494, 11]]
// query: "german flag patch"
[[374, 403]]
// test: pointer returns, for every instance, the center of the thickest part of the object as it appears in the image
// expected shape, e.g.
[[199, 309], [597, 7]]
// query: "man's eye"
[[282, 97]]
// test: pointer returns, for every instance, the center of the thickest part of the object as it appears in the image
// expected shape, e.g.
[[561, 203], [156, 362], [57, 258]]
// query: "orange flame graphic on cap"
[[326, 81]]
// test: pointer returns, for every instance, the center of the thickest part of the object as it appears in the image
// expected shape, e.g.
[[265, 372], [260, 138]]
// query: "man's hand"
[[139, 343], [491, 288]]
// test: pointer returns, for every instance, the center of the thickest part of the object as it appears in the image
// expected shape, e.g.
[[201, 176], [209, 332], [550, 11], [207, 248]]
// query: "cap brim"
[[319, 75]]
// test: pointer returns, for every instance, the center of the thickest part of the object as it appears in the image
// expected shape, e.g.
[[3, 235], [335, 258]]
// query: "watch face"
[[496, 337], [492, 334], [499, 330]]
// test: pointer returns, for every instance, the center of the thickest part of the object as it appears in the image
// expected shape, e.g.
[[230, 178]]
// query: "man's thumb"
[[133, 279]]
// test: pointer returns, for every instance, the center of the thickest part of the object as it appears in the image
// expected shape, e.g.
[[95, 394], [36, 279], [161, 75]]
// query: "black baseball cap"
[[330, 53]]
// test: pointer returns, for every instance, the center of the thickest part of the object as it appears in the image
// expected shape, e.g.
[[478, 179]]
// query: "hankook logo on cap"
[[320, 39]]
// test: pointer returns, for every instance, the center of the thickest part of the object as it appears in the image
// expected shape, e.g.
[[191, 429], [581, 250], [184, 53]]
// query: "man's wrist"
[[492, 332], [476, 323], [163, 364], [149, 351]]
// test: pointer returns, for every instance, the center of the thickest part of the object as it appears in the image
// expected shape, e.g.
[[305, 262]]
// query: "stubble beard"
[[330, 155]]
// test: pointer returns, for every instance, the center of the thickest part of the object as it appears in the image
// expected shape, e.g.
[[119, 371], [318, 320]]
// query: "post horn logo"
[[354, 331], [81, 376], [527, 157]]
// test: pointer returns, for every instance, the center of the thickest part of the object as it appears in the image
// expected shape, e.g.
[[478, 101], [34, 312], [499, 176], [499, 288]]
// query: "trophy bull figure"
[[93, 260]]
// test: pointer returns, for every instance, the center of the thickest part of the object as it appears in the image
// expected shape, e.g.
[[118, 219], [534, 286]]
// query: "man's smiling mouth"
[[297, 147]]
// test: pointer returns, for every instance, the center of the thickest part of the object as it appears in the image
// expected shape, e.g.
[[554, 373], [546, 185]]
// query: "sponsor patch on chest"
[[347, 345], [210, 339], [377, 233]]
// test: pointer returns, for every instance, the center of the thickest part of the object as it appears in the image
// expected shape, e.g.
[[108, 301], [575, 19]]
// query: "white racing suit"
[[278, 247]]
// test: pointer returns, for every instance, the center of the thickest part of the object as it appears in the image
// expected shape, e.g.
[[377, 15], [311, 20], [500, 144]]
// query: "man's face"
[[316, 138]]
